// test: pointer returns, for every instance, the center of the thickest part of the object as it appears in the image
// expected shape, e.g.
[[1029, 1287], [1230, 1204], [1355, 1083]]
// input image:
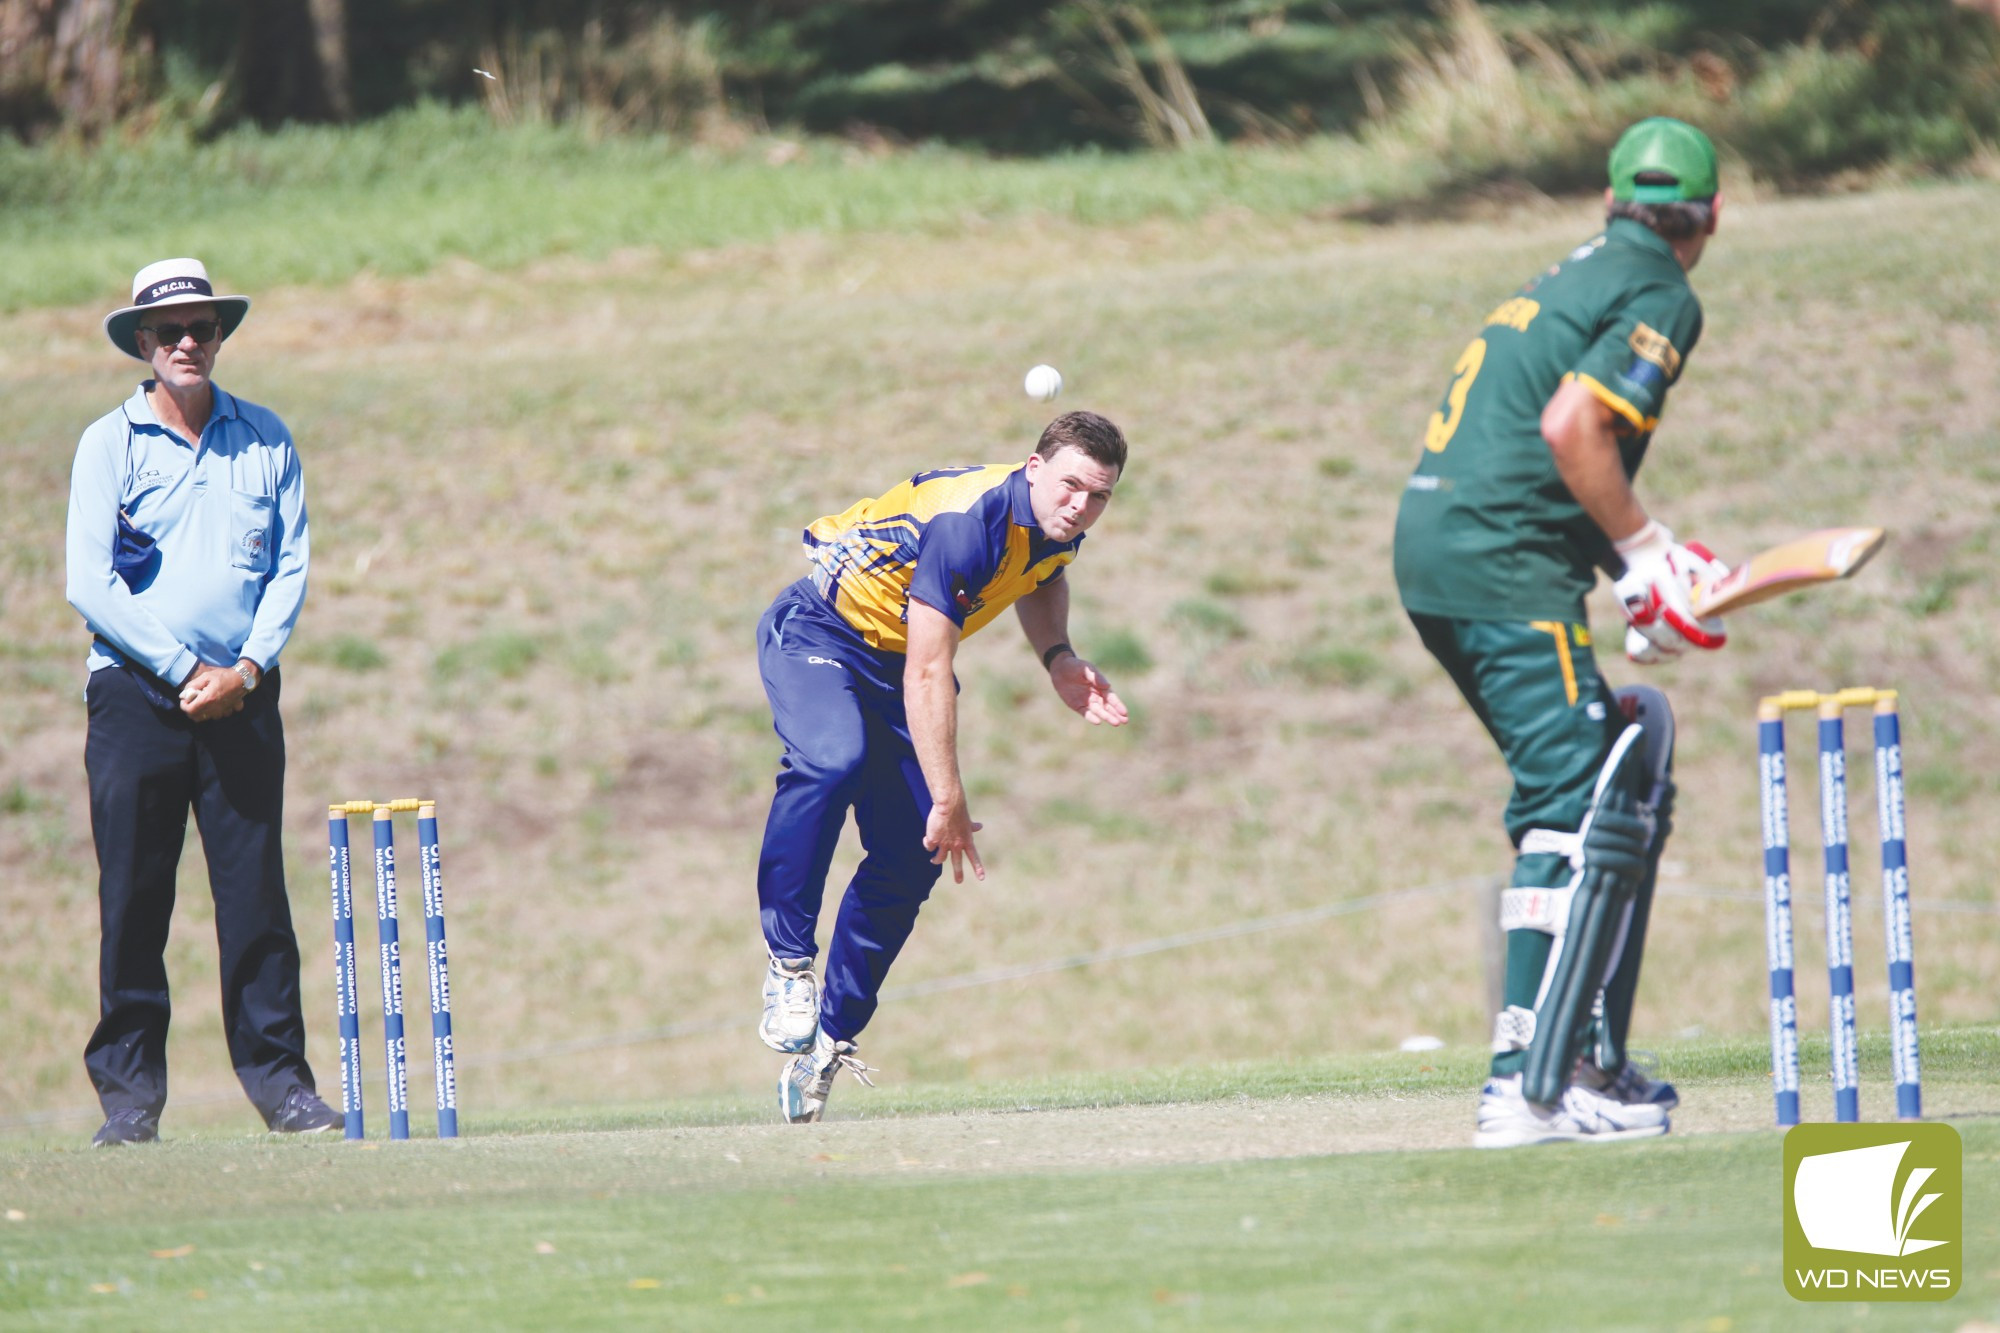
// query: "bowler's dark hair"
[[1669, 221], [1100, 441]]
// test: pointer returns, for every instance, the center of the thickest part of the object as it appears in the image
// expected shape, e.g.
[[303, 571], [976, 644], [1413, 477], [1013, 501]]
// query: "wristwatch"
[[249, 674]]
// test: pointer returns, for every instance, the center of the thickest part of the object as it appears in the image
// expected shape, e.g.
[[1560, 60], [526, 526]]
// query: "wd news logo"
[[1873, 1212]]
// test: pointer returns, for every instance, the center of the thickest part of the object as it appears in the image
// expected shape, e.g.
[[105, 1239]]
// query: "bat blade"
[[1817, 557]]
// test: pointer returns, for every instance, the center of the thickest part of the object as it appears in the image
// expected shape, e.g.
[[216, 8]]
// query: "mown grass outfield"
[[1318, 1193]]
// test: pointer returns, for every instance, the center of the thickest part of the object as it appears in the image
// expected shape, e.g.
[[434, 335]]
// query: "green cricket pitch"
[[1333, 1193]]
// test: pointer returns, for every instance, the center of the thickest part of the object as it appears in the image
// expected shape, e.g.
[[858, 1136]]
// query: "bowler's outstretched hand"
[[1084, 688], [948, 832]]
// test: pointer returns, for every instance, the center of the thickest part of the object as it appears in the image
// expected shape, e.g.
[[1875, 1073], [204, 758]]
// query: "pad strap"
[[1514, 1029], [1554, 842], [1546, 910]]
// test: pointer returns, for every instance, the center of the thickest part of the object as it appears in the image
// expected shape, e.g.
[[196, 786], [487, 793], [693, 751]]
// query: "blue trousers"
[[838, 707]]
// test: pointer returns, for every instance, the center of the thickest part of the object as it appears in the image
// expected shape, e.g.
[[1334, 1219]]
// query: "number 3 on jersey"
[[1444, 421]]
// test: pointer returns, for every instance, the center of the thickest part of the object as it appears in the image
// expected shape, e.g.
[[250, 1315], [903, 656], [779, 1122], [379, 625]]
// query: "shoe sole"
[[1482, 1138], [788, 1045], [788, 1098]]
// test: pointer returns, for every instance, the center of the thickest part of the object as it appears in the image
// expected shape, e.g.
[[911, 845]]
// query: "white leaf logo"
[[1847, 1201]]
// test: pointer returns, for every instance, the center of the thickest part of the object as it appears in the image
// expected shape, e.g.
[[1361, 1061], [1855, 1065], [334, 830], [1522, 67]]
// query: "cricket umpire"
[[187, 556], [856, 659], [1522, 492]]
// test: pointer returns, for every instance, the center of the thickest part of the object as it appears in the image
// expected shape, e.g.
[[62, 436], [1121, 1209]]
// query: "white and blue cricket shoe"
[[808, 1078], [791, 1006], [1584, 1115], [1630, 1085]]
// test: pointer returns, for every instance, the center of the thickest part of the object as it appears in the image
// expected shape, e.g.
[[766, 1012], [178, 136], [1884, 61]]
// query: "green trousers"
[[1534, 686]]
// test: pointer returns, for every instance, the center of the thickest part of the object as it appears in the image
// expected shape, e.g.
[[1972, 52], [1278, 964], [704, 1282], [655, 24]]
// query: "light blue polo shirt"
[[229, 515]]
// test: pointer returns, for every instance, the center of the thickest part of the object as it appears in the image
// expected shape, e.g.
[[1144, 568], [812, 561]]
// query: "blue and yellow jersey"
[[961, 540]]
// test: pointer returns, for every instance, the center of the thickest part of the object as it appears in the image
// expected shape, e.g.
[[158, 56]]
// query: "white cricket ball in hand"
[[1043, 383]]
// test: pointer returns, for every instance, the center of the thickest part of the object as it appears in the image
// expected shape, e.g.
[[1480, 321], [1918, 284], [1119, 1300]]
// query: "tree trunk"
[[25, 28], [65, 60], [281, 68], [329, 24], [86, 65]]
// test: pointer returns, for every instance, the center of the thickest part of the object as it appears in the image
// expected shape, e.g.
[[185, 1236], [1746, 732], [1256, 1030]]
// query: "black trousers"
[[148, 767]]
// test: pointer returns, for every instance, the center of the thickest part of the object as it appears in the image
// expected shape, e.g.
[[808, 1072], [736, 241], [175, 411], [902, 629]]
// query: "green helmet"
[[1677, 159]]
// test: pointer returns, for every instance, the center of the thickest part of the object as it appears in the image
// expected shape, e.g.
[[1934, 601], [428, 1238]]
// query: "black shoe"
[[304, 1113], [130, 1125]]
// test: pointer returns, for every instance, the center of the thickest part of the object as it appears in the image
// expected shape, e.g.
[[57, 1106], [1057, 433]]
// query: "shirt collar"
[[1020, 508], [139, 408], [1641, 235], [1021, 512]]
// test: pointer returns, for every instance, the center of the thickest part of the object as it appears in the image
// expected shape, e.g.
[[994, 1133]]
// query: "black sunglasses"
[[170, 335]]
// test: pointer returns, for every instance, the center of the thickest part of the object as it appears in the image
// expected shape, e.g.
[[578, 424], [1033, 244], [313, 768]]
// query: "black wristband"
[[1055, 651]]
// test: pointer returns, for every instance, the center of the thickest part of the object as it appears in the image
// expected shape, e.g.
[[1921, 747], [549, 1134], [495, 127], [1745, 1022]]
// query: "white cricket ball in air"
[[1043, 383]]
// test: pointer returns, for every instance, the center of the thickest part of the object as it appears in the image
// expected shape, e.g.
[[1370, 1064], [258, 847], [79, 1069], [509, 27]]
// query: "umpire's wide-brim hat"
[[170, 282]]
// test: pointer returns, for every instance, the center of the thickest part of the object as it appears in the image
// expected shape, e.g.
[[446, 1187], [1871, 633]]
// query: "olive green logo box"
[[1874, 1212]]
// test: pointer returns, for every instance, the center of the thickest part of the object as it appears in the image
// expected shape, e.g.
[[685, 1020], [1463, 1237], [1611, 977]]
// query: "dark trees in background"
[[291, 60], [1010, 76], [67, 61], [329, 33], [83, 64]]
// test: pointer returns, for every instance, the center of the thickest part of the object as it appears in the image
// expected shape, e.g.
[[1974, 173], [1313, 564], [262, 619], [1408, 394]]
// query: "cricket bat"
[[1817, 557]]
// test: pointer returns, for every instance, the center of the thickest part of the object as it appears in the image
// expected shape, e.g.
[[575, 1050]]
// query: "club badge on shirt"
[[968, 602]]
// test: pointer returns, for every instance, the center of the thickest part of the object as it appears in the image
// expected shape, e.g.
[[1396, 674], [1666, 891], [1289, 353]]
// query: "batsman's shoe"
[[791, 1006], [808, 1078], [1583, 1115], [1629, 1085]]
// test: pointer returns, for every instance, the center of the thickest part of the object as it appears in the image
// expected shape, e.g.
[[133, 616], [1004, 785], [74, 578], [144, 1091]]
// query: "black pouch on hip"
[[160, 693]]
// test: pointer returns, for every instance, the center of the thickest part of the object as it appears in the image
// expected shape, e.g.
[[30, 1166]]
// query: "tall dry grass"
[[663, 77]]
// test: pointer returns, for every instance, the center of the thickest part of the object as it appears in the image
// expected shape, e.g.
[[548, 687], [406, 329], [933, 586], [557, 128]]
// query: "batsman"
[[1522, 493]]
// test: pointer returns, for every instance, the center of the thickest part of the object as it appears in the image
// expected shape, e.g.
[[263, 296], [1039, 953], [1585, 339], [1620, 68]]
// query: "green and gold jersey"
[[1487, 529]]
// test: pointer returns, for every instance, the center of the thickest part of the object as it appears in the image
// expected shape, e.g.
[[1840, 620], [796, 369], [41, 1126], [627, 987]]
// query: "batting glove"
[[1655, 592]]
